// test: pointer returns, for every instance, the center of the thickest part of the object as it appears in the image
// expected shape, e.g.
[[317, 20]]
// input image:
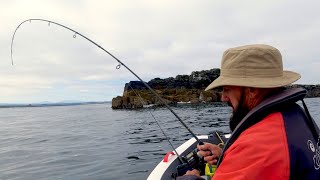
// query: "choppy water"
[[96, 142]]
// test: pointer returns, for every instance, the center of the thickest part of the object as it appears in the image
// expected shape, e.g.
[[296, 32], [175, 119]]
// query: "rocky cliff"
[[182, 88]]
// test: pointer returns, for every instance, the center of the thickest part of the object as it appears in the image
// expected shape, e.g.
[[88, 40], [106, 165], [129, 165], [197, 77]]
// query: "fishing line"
[[157, 122], [117, 67]]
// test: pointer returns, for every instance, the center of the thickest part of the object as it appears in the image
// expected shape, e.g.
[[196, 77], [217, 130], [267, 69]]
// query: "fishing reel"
[[191, 161]]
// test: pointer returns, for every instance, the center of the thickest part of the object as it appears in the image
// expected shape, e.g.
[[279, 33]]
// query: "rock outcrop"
[[312, 90], [182, 88]]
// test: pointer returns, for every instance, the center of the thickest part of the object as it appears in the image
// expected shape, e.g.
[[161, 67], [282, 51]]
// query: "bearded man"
[[272, 136]]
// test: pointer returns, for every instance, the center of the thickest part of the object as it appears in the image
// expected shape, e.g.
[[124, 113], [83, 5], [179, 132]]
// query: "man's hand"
[[191, 175], [210, 152], [193, 172]]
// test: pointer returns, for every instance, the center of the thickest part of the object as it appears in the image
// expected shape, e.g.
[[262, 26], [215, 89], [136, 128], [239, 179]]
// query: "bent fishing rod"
[[117, 67]]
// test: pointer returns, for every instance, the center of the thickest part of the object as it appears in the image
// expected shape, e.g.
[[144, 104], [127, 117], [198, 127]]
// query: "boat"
[[170, 167]]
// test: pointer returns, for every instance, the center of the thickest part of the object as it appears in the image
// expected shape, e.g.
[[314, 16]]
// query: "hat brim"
[[287, 78]]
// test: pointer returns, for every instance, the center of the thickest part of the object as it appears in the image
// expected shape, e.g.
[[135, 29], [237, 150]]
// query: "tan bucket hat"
[[255, 65]]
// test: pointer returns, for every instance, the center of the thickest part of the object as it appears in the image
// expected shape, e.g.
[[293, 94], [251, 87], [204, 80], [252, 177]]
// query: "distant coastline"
[[47, 104]]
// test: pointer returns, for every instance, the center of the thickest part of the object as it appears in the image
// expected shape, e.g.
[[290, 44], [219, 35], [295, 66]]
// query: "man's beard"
[[238, 114]]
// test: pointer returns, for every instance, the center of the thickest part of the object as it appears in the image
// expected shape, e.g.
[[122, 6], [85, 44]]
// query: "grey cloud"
[[154, 38]]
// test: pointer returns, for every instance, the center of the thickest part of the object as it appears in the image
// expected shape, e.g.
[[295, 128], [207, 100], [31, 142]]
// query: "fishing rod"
[[117, 67]]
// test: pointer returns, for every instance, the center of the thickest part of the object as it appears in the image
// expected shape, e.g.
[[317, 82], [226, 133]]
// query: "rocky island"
[[182, 88]]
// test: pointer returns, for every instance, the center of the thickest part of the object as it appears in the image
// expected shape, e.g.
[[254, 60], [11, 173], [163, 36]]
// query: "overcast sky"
[[160, 38]]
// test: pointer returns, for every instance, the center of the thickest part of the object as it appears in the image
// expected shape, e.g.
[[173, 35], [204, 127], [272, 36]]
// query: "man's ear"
[[253, 92]]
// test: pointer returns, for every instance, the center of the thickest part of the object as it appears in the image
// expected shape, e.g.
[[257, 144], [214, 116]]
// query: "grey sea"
[[96, 142]]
